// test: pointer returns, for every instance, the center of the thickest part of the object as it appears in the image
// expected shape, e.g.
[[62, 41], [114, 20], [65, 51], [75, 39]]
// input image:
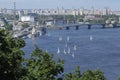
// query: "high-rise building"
[[105, 11]]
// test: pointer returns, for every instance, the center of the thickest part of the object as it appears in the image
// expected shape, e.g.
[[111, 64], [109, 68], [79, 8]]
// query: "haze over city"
[[53, 4]]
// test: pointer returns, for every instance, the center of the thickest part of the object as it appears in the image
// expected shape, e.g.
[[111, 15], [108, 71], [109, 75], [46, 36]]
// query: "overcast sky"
[[53, 4]]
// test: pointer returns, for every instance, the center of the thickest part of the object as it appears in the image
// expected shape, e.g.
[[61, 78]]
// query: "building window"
[[55, 11], [48, 11], [43, 11]]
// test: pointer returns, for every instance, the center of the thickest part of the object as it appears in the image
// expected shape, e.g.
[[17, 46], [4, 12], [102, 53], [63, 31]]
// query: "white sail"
[[91, 38], [73, 55], [65, 51], [58, 51], [60, 38], [75, 47], [68, 50], [40, 33], [68, 38]]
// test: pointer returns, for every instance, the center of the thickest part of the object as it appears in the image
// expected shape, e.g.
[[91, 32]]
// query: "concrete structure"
[[27, 19], [116, 13]]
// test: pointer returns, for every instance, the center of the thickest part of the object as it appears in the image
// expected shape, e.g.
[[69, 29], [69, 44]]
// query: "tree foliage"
[[10, 56], [40, 66], [86, 75], [9, 27]]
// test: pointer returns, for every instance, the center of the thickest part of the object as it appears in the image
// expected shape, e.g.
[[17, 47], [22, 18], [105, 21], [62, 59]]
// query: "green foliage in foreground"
[[40, 65], [86, 75], [10, 57]]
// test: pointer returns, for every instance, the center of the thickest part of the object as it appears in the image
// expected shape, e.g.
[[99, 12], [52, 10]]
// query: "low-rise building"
[[27, 18]]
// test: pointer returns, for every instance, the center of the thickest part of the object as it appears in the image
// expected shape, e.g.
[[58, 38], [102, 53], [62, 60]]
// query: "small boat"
[[75, 47], [91, 38], [73, 55], [40, 33], [68, 50], [60, 38], [65, 51], [58, 51], [24, 37], [68, 38]]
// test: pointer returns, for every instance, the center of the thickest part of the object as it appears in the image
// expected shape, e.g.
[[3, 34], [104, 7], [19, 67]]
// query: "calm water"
[[100, 52]]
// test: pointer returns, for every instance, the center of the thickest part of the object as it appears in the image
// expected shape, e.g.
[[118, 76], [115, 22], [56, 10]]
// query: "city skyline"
[[67, 4]]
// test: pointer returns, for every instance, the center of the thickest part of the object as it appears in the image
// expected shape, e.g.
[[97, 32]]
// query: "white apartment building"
[[27, 18]]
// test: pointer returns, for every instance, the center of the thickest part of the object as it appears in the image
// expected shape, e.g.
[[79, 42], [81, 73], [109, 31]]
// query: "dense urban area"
[[21, 18]]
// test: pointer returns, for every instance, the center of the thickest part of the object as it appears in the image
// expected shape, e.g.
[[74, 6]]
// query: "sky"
[[67, 4]]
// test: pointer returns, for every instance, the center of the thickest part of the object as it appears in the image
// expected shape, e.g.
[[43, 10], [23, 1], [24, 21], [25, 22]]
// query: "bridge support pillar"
[[77, 27], [89, 26], [67, 28], [103, 25], [114, 25]]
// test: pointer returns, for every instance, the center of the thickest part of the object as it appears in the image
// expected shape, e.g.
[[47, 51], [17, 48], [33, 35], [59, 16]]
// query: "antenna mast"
[[14, 15]]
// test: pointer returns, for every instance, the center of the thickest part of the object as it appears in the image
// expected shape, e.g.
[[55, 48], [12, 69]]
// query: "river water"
[[89, 49]]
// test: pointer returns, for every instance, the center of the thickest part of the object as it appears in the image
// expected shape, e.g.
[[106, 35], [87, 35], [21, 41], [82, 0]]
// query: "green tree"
[[86, 75], [92, 75], [41, 66], [73, 76], [119, 78], [10, 57], [9, 27]]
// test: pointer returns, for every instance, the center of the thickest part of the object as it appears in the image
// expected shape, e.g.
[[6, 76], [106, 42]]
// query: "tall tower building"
[[14, 15], [106, 11], [14, 10], [93, 10]]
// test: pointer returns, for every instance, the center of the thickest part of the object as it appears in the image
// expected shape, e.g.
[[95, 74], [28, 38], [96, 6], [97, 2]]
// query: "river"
[[89, 49]]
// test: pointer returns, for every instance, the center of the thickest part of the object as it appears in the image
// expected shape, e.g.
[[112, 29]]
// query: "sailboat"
[[68, 50], [75, 47], [58, 51], [65, 51], [91, 38], [40, 33], [68, 38], [60, 38], [73, 55]]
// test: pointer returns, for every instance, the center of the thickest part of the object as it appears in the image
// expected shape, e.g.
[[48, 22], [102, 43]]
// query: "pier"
[[25, 32]]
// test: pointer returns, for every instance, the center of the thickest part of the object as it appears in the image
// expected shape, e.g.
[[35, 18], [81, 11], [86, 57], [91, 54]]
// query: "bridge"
[[89, 26]]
